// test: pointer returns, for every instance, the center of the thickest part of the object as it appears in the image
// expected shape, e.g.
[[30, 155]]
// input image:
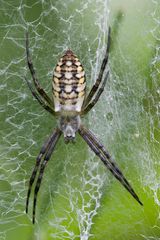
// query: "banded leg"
[[44, 148], [100, 151], [100, 76], [32, 71], [48, 154], [38, 98], [95, 100]]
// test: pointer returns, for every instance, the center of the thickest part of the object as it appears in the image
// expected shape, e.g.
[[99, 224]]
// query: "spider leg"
[[39, 99], [44, 148], [48, 154], [100, 76], [100, 151], [95, 100], [32, 71]]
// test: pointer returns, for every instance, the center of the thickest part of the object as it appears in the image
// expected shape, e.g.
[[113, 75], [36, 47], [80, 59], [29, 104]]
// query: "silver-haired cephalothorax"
[[69, 103]]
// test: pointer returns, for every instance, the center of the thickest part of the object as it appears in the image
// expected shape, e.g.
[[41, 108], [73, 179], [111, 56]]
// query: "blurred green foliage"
[[134, 121]]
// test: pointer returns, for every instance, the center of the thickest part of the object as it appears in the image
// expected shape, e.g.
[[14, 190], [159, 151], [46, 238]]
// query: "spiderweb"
[[78, 198]]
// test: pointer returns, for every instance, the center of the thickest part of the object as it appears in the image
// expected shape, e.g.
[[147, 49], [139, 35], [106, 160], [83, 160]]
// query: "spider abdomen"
[[68, 84]]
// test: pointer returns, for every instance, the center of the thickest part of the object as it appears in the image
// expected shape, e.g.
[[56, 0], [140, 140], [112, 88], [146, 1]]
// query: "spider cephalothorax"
[[69, 125], [69, 103]]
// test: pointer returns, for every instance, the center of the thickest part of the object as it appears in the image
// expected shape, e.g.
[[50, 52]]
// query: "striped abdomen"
[[68, 84]]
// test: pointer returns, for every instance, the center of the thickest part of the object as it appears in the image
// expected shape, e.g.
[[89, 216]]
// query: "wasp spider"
[[69, 103]]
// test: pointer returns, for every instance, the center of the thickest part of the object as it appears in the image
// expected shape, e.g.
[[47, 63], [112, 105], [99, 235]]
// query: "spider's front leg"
[[45, 152], [47, 156], [100, 151]]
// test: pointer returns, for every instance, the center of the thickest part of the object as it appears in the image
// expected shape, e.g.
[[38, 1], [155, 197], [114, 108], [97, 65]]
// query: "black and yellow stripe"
[[68, 83]]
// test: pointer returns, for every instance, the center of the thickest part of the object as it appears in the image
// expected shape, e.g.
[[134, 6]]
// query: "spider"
[[69, 104]]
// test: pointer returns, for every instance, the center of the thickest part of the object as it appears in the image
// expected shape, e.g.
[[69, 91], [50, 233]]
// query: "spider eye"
[[69, 133]]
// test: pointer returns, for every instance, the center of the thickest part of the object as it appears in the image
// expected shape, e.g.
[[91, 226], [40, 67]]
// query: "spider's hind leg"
[[38, 87], [39, 99], [96, 98], [95, 87]]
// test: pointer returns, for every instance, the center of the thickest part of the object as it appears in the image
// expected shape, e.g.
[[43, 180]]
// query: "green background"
[[79, 199]]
